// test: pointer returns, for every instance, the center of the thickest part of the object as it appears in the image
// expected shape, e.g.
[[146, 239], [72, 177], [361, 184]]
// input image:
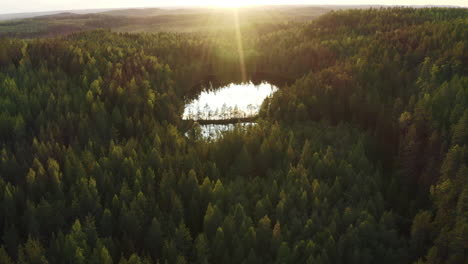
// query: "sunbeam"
[[240, 48]]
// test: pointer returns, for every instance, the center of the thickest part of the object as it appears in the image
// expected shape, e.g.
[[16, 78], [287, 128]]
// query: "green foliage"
[[360, 157]]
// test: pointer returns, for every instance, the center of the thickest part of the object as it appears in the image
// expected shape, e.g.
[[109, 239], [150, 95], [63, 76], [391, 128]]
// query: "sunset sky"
[[16, 6]]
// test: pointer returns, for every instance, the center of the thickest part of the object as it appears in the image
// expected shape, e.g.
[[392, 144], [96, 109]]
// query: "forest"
[[361, 156], [153, 20]]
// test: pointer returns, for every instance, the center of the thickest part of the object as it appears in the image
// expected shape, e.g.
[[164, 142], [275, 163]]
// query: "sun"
[[228, 3]]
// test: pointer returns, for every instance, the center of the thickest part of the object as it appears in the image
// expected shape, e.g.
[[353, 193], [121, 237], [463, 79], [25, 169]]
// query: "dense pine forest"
[[360, 157]]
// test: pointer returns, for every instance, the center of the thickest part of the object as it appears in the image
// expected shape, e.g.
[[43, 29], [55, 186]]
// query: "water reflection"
[[215, 131], [232, 101]]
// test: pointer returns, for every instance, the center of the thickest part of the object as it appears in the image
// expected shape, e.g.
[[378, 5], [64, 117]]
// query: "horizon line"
[[222, 7]]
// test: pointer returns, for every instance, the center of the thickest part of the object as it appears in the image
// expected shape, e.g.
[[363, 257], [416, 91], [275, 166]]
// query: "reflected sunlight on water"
[[232, 101]]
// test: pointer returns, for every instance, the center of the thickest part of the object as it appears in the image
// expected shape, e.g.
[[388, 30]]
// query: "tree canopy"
[[362, 158]]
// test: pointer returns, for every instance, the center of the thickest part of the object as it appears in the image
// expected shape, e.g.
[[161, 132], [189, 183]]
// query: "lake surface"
[[214, 131], [232, 101]]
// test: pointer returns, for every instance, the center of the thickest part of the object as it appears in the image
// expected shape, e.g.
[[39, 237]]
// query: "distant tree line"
[[225, 112]]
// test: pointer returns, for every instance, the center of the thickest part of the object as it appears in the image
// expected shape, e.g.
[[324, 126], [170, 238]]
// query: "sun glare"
[[228, 3]]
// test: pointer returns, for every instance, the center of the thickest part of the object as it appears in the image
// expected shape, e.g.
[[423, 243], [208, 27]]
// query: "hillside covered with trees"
[[361, 158], [154, 20]]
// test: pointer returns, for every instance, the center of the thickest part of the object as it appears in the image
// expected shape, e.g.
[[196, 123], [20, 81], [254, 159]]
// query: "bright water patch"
[[232, 101], [214, 131]]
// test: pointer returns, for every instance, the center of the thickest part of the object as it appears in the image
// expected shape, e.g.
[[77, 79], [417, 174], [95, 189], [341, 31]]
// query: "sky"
[[19, 6]]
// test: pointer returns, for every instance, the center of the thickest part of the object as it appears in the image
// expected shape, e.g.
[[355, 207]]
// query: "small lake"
[[229, 102], [232, 101]]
